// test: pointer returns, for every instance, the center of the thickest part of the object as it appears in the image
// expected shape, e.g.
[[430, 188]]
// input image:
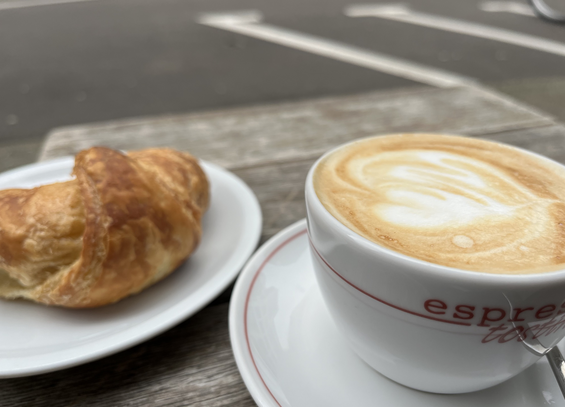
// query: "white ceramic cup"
[[426, 326]]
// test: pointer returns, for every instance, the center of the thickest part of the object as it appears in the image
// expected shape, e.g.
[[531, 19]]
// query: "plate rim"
[[242, 291], [202, 297], [249, 371]]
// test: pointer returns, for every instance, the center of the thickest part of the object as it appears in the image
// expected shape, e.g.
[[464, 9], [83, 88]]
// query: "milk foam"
[[459, 202]]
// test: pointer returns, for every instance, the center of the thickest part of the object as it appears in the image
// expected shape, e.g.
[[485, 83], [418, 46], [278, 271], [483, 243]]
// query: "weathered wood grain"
[[276, 133], [280, 191], [280, 186], [271, 149], [548, 141], [190, 365], [18, 154]]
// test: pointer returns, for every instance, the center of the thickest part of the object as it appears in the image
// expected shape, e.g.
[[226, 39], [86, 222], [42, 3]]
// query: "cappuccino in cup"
[[454, 201], [440, 258]]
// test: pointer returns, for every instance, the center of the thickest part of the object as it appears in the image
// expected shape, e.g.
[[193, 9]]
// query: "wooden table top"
[[271, 148]]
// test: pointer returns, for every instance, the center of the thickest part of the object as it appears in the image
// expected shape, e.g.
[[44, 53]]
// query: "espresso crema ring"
[[454, 201]]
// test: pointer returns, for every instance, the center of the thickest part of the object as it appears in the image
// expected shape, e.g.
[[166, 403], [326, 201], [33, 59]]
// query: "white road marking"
[[9, 5], [402, 13], [512, 7], [249, 23]]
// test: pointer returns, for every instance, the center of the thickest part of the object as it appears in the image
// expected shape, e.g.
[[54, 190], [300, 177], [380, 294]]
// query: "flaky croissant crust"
[[123, 223]]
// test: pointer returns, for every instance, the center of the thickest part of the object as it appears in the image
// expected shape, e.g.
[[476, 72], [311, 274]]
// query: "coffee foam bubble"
[[454, 201]]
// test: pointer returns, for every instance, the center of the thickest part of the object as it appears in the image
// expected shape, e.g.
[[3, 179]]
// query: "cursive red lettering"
[[544, 329], [515, 333], [529, 329], [493, 330]]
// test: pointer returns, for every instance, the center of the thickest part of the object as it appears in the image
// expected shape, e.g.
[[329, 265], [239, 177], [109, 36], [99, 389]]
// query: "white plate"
[[37, 339], [290, 353]]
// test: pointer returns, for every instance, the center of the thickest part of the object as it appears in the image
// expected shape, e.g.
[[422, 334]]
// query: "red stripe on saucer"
[[269, 257]]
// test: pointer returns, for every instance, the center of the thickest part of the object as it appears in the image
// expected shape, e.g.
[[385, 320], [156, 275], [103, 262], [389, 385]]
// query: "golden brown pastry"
[[123, 223]]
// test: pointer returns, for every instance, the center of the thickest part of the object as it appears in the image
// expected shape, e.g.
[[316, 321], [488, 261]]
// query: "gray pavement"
[[101, 60], [546, 93]]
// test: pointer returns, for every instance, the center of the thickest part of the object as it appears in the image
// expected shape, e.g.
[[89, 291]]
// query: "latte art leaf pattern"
[[455, 201], [436, 189]]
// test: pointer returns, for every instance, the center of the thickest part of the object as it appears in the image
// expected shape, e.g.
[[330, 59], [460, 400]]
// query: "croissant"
[[123, 223]]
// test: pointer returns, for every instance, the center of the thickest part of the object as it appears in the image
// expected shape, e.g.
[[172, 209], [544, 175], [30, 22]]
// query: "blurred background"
[[67, 62]]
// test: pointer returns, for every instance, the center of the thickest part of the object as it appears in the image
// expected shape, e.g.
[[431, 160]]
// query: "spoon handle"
[[546, 12], [557, 364]]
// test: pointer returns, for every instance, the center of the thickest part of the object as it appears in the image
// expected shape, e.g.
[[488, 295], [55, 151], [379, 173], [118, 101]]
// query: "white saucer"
[[290, 353], [37, 339]]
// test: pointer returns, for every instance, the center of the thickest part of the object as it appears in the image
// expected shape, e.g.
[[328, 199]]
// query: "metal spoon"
[[553, 354], [555, 359], [544, 11]]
